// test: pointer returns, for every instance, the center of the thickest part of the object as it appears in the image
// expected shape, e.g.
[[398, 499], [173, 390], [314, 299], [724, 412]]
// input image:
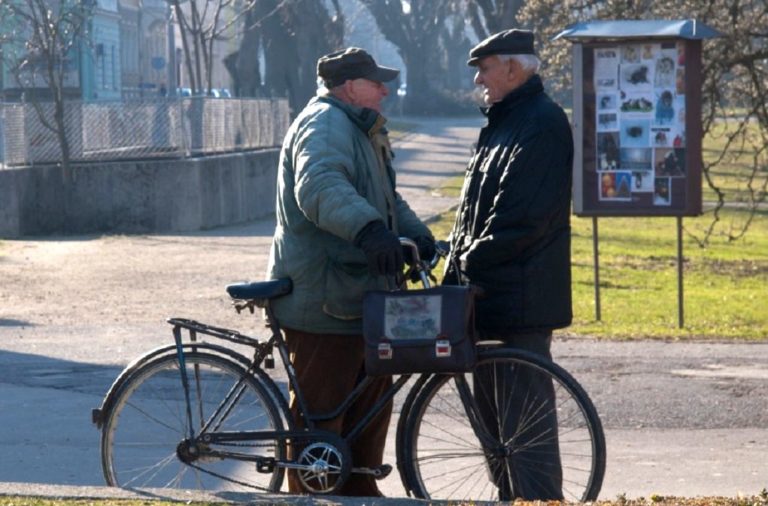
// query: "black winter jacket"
[[512, 230]]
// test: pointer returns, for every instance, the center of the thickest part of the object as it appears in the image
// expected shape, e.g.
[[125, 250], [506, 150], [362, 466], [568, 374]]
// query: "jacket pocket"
[[501, 307], [345, 285], [547, 285]]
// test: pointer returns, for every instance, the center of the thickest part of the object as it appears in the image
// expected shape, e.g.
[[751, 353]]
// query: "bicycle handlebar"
[[424, 267]]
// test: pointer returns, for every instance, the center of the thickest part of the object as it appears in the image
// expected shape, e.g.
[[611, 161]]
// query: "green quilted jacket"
[[334, 177]]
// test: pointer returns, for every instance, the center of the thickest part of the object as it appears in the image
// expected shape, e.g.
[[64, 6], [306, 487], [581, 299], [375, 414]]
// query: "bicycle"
[[200, 415]]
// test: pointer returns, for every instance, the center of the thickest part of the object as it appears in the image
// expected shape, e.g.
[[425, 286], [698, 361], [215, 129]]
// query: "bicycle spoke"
[[149, 422], [153, 418], [536, 423], [154, 469]]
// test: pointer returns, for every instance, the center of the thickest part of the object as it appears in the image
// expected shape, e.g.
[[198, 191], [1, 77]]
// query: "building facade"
[[126, 51], [147, 52], [101, 65]]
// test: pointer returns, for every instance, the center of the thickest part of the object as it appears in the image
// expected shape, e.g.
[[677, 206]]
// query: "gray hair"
[[529, 63]]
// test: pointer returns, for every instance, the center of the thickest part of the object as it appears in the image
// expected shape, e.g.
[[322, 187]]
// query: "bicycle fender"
[[98, 414]]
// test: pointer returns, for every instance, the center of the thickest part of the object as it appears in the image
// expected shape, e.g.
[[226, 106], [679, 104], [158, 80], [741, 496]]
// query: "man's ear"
[[349, 89], [513, 70]]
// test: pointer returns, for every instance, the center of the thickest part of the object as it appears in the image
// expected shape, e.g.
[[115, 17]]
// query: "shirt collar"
[[366, 119], [529, 88]]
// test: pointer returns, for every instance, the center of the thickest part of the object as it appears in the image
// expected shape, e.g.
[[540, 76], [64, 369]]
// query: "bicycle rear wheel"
[[142, 432], [526, 430]]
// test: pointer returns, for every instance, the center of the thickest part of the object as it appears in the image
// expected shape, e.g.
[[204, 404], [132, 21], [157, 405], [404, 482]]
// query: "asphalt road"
[[681, 419]]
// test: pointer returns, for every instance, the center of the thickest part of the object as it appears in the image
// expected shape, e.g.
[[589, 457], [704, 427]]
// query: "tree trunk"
[[293, 36]]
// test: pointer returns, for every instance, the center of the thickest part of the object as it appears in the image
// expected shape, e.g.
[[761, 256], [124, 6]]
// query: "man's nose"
[[478, 79], [384, 89]]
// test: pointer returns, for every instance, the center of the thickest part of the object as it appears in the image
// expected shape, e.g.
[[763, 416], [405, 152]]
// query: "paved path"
[[681, 419]]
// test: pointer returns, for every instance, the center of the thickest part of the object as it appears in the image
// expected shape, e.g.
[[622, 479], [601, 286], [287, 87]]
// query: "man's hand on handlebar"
[[382, 249]]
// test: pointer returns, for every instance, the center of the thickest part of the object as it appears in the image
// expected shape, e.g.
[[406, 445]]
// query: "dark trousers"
[[517, 406], [327, 368]]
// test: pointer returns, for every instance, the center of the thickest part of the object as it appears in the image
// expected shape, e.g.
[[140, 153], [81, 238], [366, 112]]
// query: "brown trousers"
[[327, 368]]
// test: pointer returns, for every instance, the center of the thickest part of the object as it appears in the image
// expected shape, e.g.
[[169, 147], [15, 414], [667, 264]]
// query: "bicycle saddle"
[[260, 289]]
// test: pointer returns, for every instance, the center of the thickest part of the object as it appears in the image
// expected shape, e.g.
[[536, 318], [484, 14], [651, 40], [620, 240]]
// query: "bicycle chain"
[[238, 482], [233, 480], [246, 445]]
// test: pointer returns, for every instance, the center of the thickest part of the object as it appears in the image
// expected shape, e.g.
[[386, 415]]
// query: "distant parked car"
[[215, 93], [220, 93]]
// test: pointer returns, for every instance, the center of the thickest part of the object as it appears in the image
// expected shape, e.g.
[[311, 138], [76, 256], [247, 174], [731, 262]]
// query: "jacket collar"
[[367, 120], [532, 86]]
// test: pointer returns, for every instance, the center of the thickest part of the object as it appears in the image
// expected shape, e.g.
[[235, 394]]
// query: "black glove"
[[382, 249], [427, 249]]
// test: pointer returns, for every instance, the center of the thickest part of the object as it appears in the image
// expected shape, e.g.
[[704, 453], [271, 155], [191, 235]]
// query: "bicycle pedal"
[[378, 473], [265, 465]]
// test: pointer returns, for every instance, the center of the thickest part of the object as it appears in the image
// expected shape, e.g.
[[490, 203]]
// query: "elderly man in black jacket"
[[512, 239]]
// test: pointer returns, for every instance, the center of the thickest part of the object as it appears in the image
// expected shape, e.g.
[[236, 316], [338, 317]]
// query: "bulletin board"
[[638, 128]]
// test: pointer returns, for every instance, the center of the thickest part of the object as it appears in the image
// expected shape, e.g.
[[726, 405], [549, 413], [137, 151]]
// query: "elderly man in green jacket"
[[338, 221]]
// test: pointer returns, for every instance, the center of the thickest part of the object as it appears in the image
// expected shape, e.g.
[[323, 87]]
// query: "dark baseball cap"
[[507, 42], [352, 63]]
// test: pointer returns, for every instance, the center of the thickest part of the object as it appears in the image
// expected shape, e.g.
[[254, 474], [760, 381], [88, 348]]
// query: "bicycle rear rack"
[[196, 327]]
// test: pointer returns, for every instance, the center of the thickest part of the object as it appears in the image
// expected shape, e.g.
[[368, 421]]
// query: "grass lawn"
[[724, 285]]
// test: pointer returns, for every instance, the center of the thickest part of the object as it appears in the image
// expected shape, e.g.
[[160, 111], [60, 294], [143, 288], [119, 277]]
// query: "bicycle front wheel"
[[143, 433], [518, 426]]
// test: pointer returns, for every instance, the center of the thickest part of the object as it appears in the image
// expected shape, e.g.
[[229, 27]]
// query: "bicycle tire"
[[444, 456], [147, 421], [405, 411]]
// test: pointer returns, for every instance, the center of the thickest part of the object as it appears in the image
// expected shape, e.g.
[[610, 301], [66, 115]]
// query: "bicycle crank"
[[320, 468], [323, 463], [378, 473]]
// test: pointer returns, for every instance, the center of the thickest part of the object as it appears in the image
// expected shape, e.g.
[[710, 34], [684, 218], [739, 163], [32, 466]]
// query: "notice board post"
[[637, 123]]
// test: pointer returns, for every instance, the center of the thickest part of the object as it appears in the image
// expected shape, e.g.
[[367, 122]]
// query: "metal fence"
[[174, 127]]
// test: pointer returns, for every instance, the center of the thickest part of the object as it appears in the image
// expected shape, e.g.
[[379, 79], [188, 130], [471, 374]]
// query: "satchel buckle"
[[385, 351], [442, 348]]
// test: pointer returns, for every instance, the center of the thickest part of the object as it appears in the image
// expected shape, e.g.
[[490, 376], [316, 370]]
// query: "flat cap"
[[351, 63], [512, 41]]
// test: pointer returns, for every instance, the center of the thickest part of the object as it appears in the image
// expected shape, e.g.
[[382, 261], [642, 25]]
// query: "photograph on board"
[[642, 181], [664, 73], [635, 133], [637, 159], [607, 150], [669, 162], [636, 77], [607, 121], [616, 186], [636, 103], [665, 107], [630, 53], [607, 101], [661, 193]]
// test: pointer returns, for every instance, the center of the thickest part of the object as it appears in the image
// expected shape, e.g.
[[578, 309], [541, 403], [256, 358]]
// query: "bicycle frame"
[[208, 433], [262, 350]]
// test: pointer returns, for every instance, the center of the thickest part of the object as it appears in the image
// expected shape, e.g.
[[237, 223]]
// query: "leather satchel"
[[419, 331]]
